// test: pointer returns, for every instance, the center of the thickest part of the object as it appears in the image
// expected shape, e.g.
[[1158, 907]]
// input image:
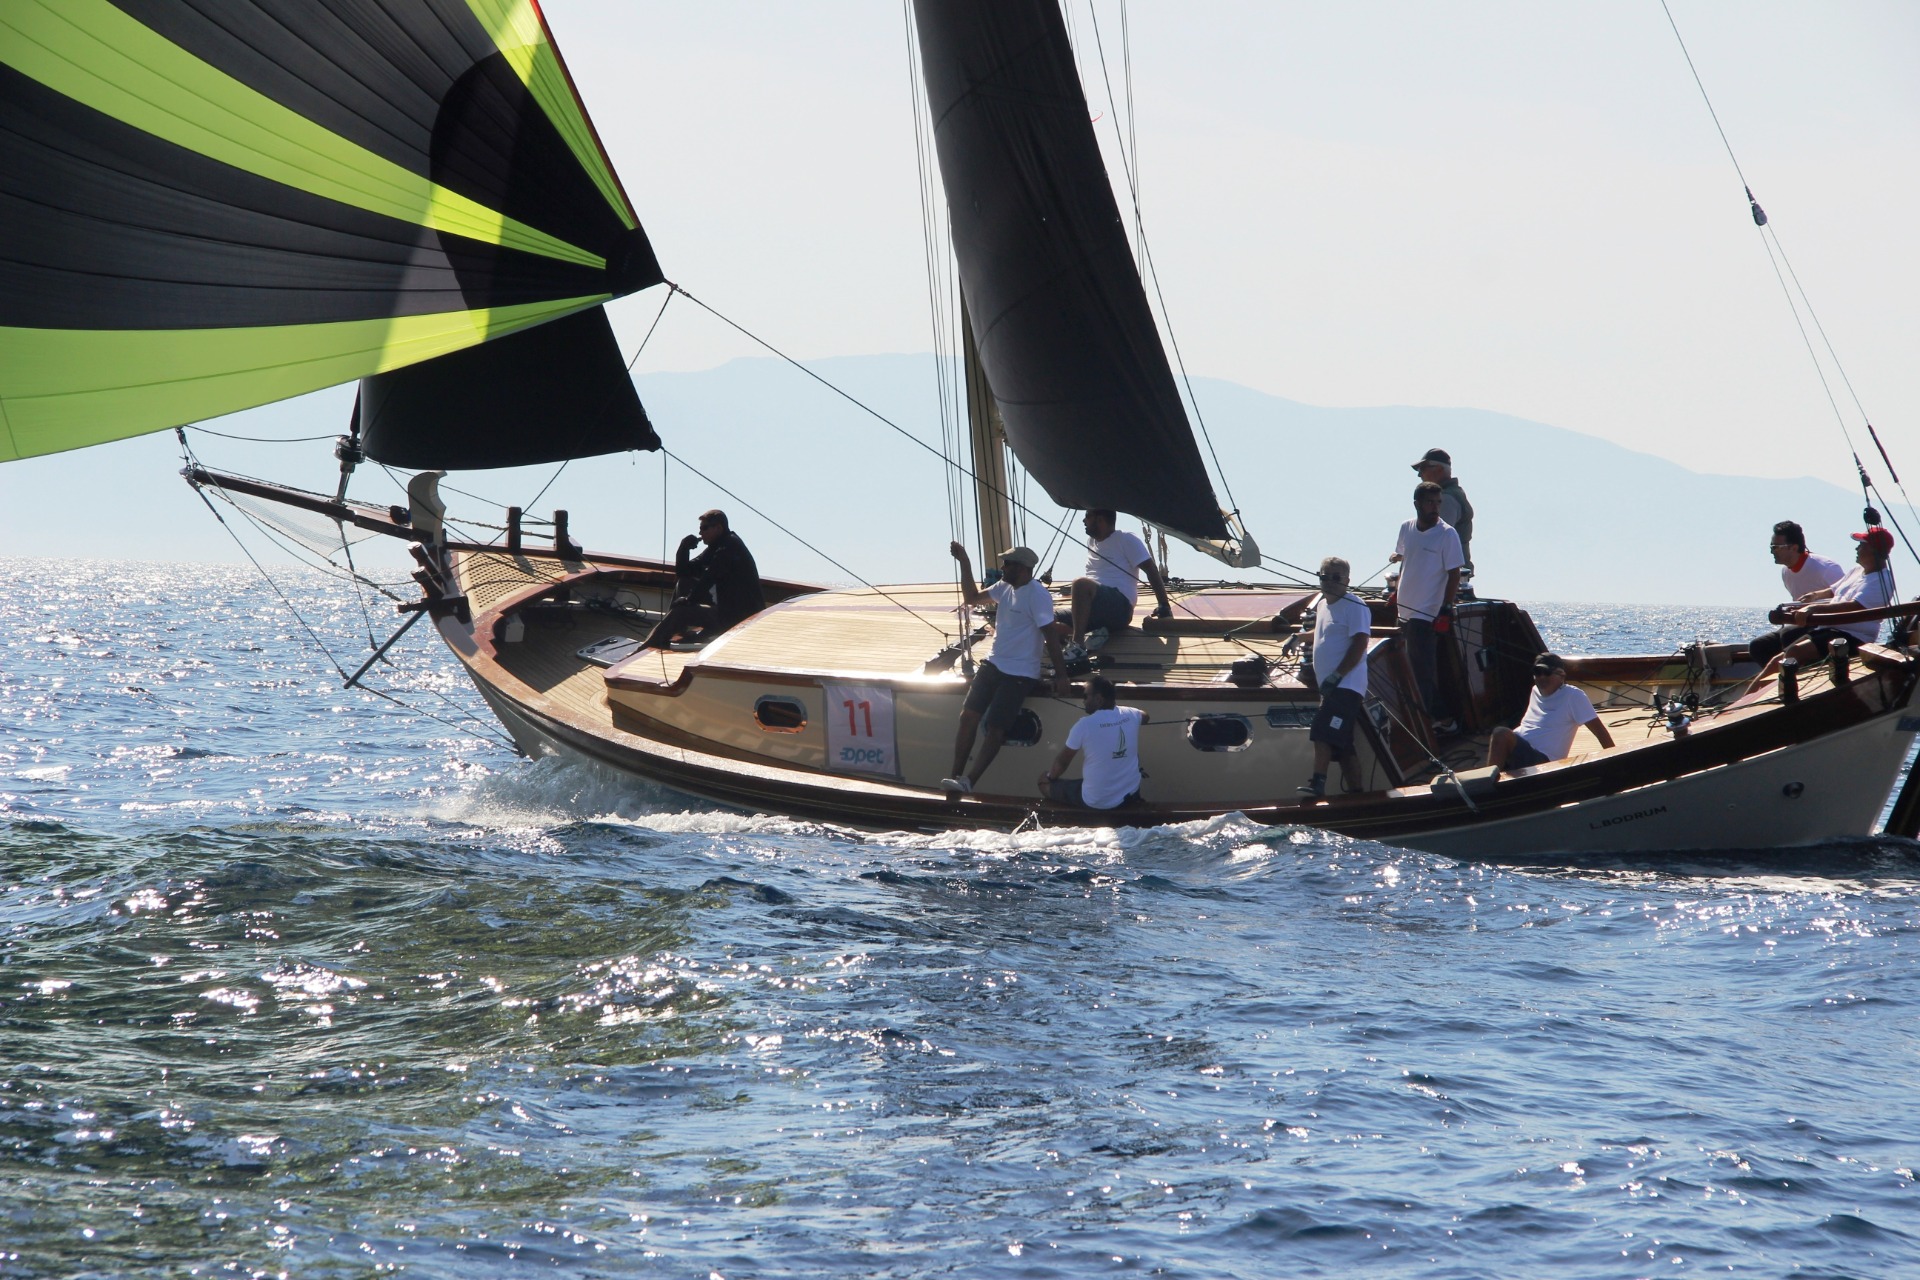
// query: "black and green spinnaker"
[[214, 204]]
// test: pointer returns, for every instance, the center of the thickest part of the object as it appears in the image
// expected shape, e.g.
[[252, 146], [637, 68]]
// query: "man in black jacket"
[[715, 589]]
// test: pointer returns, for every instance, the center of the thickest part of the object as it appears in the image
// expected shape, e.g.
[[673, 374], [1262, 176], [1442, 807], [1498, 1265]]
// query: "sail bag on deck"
[[214, 205], [1061, 321]]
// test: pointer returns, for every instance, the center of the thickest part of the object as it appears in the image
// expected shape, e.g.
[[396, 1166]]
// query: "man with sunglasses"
[[1342, 624], [1802, 574], [1555, 710], [713, 590]]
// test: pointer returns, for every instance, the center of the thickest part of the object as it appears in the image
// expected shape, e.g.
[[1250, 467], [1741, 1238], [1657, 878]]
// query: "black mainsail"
[[214, 204], [1061, 321]]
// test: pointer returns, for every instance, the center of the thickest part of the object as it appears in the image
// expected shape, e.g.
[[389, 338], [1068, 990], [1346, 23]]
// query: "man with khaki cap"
[[1023, 625]]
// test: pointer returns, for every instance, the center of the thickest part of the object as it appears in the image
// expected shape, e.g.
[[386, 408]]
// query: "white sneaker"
[[961, 785], [1096, 638]]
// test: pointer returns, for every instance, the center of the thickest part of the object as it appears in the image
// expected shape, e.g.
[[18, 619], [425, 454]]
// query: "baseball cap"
[[1440, 456], [1549, 662], [1877, 538], [1021, 555]]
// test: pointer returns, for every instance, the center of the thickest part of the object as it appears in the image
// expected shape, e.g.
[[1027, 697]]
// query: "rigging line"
[[1704, 98], [227, 435], [359, 597], [1770, 238], [1128, 165], [803, 542], [307, 556], [928, 237], [657, 317], [873, 413], [248, 551]]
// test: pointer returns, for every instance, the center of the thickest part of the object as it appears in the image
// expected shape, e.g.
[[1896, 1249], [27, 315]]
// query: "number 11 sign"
[[860, 729]]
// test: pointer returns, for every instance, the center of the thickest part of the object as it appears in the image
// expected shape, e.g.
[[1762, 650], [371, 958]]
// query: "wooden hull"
[[1755, 775]]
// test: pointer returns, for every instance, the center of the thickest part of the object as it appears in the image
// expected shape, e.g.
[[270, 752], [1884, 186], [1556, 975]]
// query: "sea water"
[[297, 981]]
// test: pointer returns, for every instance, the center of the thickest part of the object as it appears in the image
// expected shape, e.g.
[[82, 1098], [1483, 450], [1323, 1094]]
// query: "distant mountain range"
[[1561, 516]]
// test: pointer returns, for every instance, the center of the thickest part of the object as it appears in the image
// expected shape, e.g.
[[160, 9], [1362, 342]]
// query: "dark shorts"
[[1525, 755], [1334, 723], [1822, 638], [996, 696], [1068, 791], [1111, 609]]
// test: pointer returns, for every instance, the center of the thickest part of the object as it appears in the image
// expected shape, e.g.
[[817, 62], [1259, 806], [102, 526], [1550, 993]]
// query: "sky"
[[1511, 207]]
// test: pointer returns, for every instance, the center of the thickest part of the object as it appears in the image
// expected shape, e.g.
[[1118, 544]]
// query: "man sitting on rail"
[[1110, 736], [713, 590], [1802, 574], [1868, 585], [1554, 710], [1022, 624]]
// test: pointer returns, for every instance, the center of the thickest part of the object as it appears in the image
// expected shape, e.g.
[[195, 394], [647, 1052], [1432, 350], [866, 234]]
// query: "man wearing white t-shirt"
[[1868, 585], [1023, 626], [1110, 736], [1103, 600], [1341, 626], [1430, 558], [1802, 573], [1555, 710]]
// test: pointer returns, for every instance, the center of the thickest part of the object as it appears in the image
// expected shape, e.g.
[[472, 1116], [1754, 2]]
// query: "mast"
[[987, 436]]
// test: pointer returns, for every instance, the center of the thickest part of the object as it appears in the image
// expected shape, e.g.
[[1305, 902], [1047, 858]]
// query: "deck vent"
[[1293, 715], [780, 715], [1220, 733], [1025, 730]]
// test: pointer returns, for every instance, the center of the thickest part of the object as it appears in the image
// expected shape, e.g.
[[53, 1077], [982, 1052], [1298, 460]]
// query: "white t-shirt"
[[1115, 562], [1023, 611], [1869, 591], [1428, 555], [1813, 574], [1335, 624], [1550, 721], [1111, 739]]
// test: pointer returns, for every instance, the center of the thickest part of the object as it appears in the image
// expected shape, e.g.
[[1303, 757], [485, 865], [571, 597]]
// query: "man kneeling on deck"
[[1554, 710], [1111, 737], [1341, 625], [1022, 624]]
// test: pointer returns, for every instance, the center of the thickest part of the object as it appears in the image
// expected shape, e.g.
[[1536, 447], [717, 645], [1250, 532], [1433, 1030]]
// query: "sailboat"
[[229, 204]]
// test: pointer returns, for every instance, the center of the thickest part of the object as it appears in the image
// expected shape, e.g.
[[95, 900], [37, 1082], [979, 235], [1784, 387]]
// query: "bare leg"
[[963, 741], [1350, 780], [989, 748], [1082, 607], [1500, 746], [1322, 756]]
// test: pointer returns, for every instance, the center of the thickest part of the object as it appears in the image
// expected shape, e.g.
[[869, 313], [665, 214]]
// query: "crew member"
[[1103, 600], [1022, 625], [1437, 465], [1110, 735], [1341, 625], [1802, 573], [1430, 558], [1554, 710], [713, 590], [1823, 613]]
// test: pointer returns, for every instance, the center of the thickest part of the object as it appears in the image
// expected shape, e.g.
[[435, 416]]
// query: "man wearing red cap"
[[1868, 585]]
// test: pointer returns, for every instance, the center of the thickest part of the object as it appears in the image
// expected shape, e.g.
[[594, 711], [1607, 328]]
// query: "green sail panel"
[[218, 204]]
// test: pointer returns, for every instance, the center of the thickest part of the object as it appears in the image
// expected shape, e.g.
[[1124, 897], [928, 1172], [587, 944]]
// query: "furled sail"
[[214, 204], [1059, 316]]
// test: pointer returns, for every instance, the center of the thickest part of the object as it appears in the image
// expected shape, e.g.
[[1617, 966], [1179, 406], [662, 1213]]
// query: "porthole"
[[1025, 730], [780, 715], [1220, 733]]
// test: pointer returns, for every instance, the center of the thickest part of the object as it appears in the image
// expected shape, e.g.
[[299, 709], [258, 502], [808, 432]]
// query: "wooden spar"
[[988, 441]]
